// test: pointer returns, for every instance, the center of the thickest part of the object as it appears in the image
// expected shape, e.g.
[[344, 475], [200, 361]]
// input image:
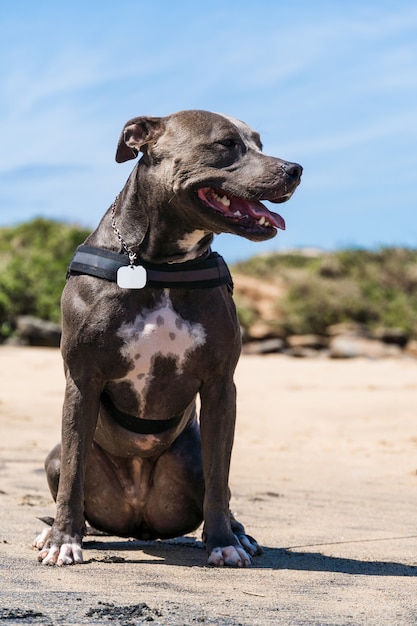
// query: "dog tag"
[[131, 277]]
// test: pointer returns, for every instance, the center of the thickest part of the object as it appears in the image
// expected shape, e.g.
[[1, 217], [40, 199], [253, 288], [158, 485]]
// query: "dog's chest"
[[158, 333]]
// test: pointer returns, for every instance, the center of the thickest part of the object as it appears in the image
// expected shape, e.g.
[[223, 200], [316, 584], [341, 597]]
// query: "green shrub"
[[268, 265], [373, 288], [312, 304], [33, 261]]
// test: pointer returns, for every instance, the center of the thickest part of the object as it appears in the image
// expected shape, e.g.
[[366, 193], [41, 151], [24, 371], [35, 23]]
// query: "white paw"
[[67, 554], [234, 556], [42, 538]]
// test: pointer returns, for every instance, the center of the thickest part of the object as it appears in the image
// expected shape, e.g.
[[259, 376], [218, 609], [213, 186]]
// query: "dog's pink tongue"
[[238, 208], [257, 211]]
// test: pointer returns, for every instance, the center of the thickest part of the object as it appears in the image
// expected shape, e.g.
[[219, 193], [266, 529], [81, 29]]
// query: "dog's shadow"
[[188, 552]]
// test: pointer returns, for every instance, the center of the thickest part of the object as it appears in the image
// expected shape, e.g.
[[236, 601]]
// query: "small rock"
[[396, 336], [315, 342], [36, 332], [351, 329], [259, 330], [267, 346], [302, 352], [347, 347]]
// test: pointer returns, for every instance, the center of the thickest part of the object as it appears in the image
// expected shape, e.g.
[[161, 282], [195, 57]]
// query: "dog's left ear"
[[137, 133]]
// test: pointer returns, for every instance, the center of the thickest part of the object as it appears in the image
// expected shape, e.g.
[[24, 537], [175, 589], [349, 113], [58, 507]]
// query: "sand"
[[323, 475]]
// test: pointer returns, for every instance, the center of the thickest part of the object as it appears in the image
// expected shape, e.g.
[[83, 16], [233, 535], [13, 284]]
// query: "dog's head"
[[212, 165]]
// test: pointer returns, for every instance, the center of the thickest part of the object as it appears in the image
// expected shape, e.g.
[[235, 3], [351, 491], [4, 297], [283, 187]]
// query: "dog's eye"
[[229, 143]]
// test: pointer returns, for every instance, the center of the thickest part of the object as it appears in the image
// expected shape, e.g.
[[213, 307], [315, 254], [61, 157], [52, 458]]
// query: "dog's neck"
[[181, 246], [157, 235]]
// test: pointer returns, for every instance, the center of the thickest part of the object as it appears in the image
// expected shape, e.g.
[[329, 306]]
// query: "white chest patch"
[[158, 332]]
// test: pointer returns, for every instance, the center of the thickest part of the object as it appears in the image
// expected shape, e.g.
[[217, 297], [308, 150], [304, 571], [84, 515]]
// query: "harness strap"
[[138, 424], [211, 271]]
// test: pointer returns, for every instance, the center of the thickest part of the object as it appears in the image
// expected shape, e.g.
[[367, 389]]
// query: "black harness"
[[204, 273], [135, 424]]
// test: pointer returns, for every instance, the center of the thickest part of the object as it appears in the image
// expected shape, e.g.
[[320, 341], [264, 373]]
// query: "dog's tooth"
[[262, 221], [237, 214], [224, 200]]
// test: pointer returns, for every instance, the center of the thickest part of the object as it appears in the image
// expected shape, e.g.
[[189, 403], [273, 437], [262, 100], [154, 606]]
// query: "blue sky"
[[329, 84]]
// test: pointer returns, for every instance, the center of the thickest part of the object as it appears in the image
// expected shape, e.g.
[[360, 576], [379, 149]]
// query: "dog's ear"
[[137, 133]]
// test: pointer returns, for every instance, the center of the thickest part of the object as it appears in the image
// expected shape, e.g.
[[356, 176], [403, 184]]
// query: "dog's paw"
[[53, 554], [67, 554], [234, 556], [41, 539]]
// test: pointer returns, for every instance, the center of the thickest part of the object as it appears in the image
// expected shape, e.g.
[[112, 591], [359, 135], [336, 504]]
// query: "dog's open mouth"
[[247, 213]]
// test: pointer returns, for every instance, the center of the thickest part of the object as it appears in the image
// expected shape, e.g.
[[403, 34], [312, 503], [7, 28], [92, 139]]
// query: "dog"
[[149, 324]]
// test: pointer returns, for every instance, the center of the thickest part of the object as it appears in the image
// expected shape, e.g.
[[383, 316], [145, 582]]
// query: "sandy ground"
[[323, 474]]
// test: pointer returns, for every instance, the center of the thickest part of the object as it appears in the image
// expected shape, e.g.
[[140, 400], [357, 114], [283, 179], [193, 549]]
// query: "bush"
[[33, 261], [314, 303], [373, 288]]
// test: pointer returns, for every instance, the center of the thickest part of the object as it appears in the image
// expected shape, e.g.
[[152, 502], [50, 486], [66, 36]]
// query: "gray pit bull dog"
[[149, 324]]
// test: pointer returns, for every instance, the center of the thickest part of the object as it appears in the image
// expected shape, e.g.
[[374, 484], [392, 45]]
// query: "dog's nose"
[[293, 170]]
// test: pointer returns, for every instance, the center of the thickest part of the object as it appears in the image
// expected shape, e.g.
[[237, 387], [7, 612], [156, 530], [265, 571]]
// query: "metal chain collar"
[[132, 255]]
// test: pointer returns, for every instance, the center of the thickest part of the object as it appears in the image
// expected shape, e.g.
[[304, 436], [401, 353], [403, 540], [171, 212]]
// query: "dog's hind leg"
[[247, 542], [52, 469], [147, 498]]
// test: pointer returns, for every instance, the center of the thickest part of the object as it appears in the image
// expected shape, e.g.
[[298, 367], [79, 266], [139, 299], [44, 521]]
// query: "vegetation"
[[33, 261], [373, 288]]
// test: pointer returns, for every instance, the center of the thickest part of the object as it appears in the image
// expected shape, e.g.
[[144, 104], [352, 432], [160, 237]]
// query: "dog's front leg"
[[217, 424], [61, 545]]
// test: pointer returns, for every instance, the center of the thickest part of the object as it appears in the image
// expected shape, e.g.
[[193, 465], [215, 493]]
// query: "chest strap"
[[211, 271], [138, 424]]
